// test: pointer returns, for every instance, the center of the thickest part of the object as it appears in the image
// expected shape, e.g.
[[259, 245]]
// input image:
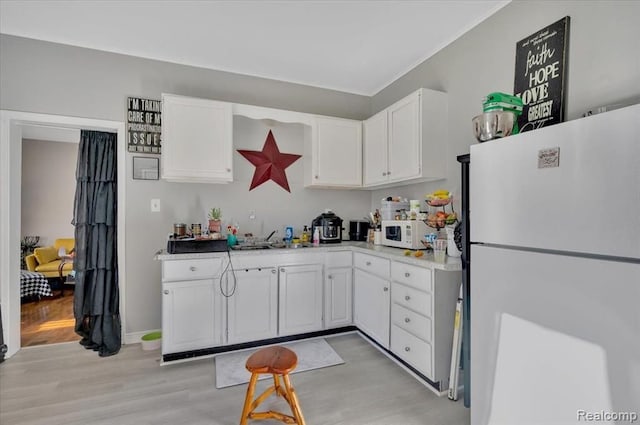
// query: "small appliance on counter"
[[193, 245], [329, 225], [358, 230], [407, 234]]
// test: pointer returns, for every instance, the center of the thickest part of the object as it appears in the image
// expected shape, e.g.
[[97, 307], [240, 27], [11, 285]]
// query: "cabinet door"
[[337, 153], [252, 305], [405, 143], [371, 306], [191, 316], [197, 140], [375, 153], [300, 305], [338, 292]]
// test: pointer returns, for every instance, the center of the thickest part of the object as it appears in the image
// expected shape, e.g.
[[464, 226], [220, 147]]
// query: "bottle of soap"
[[305, 235], [316, 236]]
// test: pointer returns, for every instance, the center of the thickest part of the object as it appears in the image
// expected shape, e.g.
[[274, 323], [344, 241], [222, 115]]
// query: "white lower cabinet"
[[191, 315], [406, 308], [422, 314], [371, 305], [300, 299], [192, 309], [252, 305], [338, 296]]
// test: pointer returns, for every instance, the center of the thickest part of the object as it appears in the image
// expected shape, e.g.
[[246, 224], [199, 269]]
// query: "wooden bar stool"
[[278, 361]]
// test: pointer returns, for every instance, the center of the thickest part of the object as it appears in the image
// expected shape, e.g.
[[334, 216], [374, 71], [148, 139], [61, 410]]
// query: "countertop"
[[397, 254]]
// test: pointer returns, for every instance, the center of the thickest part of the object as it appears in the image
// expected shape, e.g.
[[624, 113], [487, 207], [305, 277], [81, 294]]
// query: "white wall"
[[48, 189], [603, 68]]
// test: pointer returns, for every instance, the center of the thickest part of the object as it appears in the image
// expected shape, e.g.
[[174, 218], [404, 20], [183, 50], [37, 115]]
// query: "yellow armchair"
[[45, 260]]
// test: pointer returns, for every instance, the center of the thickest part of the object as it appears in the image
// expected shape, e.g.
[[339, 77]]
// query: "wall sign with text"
[[540, 74], [144, 125]]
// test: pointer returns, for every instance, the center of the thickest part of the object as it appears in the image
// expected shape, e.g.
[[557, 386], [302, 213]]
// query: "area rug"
[[312, 354]]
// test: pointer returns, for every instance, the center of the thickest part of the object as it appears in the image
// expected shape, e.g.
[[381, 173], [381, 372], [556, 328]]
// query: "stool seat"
[[272, 360], [277, 361]]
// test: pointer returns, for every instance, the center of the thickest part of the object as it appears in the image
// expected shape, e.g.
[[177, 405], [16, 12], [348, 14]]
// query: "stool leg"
[[293, 400], [249, 398]]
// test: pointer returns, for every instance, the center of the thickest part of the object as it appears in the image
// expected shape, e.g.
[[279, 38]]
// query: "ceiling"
[[352, 46]]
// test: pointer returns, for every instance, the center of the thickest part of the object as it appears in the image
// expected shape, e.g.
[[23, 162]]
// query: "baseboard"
[[430, 385], [136, 337]]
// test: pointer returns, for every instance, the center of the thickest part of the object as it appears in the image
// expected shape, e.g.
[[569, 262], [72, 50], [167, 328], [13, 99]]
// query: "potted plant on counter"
[[215, 214]]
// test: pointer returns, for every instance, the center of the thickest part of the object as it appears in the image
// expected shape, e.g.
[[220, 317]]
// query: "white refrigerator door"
[[553, 338], [590, 203]]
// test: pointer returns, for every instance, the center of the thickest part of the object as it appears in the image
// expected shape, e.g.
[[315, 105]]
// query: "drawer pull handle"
[[407, 274], [166, 292], [407, 348], [193, 268], [407, 297], [407, 320], [368, 263], [386, 289]]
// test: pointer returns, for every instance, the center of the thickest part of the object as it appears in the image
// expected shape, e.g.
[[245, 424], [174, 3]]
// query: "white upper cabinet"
[[375, 150], [406, 143], [333, 156], [197, 140]]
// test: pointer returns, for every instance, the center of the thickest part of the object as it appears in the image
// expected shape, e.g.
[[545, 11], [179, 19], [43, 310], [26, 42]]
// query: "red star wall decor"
[[270, 163]]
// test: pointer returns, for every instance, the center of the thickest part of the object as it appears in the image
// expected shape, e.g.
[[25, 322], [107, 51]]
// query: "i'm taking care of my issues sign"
[[144, 125]]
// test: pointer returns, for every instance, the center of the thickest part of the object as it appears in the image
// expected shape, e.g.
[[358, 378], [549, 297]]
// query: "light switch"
[[155, 205]]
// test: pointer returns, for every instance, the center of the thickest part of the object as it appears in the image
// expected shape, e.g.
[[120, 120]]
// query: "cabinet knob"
[[166, 292], [386, 289], [228, 170], [388, 173], [282, 270], [407, 297], [407, 274], [273, 271], [316, 176], [330, 276], [407, 348], [384, 174], [368, 263], [193, 268], [407, 320]]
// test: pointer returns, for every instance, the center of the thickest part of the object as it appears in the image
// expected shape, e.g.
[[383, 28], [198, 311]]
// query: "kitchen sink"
[[250, 247]]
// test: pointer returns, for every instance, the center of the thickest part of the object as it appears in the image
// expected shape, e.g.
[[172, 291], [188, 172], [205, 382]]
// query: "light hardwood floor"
[[48, 321], [66, 384]]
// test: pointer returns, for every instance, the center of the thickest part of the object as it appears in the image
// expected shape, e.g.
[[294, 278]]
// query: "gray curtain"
[[96, 302]]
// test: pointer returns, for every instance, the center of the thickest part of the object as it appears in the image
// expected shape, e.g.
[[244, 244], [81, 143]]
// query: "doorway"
[[12, 124], [49, 161]]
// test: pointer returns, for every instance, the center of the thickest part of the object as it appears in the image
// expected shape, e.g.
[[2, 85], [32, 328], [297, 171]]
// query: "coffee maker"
[[330, 226]]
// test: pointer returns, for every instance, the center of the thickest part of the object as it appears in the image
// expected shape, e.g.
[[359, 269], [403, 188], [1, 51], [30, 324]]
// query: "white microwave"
[[406, 234]]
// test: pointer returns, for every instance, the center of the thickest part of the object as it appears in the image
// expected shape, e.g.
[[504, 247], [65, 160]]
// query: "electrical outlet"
[[155, 205]]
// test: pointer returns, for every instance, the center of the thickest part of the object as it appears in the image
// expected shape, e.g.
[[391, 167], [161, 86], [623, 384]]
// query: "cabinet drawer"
[[415, 276], [411, 321], [411, 298], [191, 269], [412, 350], [339, 259], [371, 264]]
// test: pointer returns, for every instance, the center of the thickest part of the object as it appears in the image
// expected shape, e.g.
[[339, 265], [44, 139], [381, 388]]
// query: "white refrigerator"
[[555, 282]]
